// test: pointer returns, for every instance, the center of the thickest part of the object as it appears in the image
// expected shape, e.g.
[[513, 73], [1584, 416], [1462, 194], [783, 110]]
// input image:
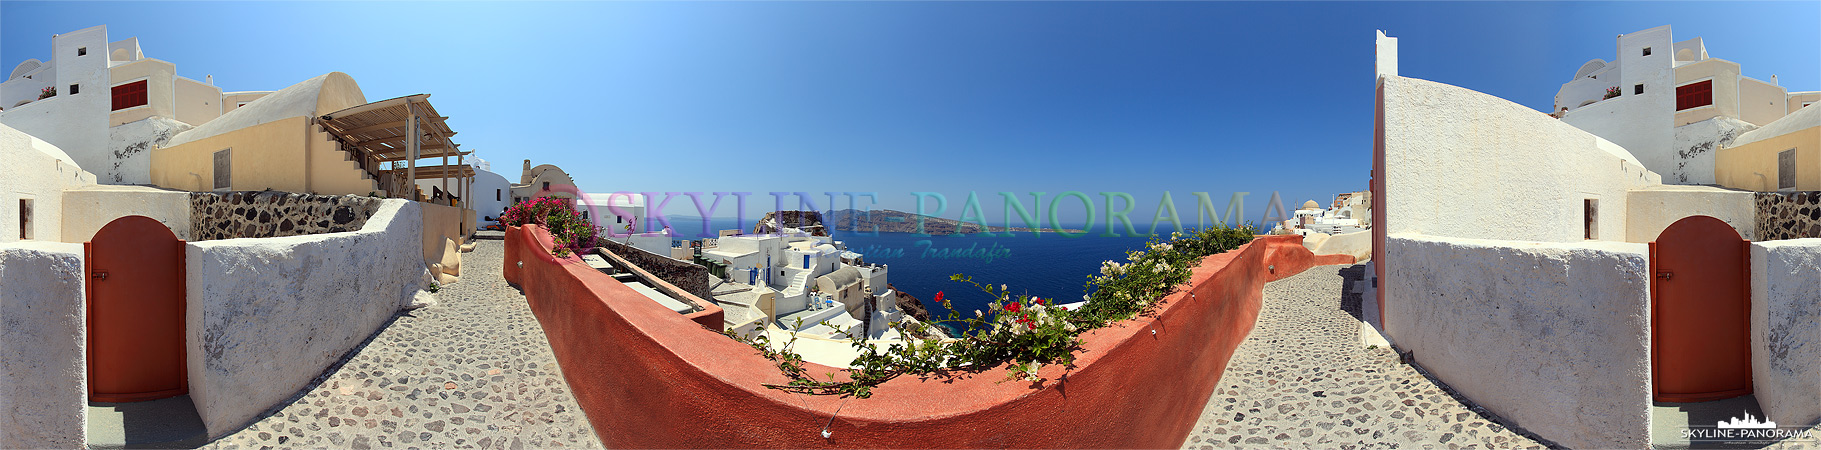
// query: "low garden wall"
[[260, 214], [1788, 215], [1786, 330], [44, 390], [685, 275], [648, 377], [1552, 336], [266, 316]]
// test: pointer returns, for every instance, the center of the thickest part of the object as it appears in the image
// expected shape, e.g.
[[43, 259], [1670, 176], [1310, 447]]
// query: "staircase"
[[335, 169]]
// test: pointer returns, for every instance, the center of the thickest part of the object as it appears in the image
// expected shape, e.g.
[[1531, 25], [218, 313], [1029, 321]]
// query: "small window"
[[1786, 169], [1646, 51], [1637, 90], [496, 195], [223, 169], [619, 219], [546, 185], [1591, 218], [25, 219], [82, 51], [75, 89]]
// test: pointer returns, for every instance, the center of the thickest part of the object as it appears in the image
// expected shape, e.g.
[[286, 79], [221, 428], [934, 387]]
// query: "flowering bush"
[[571, 232], [1611, 92], [47, 93], [1026, 332]]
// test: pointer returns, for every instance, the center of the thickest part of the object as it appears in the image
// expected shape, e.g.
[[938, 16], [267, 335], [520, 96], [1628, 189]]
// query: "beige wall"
[[197, 102], [1761, 103], [1753, 166], [160, 101], [87, 209], [230, 102], [1725, 75], [443, 222], [265, 156], [1797, 99]]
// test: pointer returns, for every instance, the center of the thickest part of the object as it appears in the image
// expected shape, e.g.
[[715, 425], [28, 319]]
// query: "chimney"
[[525, 174]]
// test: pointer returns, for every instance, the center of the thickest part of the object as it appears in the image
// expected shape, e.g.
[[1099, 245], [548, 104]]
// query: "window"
[[1591, 218], [1637, 90], [223, 169], [546, 185], [1786, 169], [1646, 51], [129, 95], [75, 89], [82, 51], [496, 195], [1694, 95], [25, 218]]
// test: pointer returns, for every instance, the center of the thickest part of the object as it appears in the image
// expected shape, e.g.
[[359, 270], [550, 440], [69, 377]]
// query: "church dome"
[[1311, 205]]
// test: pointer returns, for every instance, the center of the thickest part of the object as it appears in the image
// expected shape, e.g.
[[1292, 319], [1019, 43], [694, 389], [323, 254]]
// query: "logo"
[[1749, 423], [1749, 429]]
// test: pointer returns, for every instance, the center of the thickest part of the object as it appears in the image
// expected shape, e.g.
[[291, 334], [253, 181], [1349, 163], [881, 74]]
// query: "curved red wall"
[[650, 378]]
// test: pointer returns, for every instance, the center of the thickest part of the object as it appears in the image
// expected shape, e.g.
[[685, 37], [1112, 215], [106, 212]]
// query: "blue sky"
[[900, 97]]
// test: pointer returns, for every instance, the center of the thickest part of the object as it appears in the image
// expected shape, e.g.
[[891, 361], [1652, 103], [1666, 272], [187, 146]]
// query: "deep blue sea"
[[1050, 266]]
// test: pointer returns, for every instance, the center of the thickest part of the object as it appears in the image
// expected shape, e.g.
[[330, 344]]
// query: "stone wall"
[[684, 275], [44, 392], [1786, 329], [265, 316], [1552, 336], [1788, 215], [261, 214]]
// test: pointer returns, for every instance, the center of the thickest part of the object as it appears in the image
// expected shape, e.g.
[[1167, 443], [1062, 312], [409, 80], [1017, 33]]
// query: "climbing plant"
[[1025, 331], [571, 232]]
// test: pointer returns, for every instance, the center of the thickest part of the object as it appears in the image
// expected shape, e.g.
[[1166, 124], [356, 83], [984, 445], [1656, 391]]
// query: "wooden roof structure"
[[399, 129]]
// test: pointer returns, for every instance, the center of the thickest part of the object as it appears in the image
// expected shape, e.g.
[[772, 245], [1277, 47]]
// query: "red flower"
[[938, 296], [1013, 307], [1037, 300]]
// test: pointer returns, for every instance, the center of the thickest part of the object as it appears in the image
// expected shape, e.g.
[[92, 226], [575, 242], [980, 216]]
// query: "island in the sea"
[[892, 221]]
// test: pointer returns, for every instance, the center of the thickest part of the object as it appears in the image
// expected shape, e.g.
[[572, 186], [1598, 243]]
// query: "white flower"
[[1004, 288], [978, 314]]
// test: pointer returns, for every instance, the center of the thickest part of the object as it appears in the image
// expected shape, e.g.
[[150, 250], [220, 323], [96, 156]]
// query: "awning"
[[376, 131]]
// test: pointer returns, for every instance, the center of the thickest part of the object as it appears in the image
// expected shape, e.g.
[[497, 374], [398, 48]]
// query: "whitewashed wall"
[[36, 170], [129, 156], [1460, 163], [76, 123], [492, 194], [265, 316], [1786, 329], [1554, 337], [44, 390], [1695, 146], [87, 209], [1655, 208], [1639, 123]]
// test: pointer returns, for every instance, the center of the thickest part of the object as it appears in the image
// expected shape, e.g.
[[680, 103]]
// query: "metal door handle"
[[1665, 275], [101, 275]]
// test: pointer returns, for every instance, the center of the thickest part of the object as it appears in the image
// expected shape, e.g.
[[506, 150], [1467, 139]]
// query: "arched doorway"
[[135, 312], [1699, 307]]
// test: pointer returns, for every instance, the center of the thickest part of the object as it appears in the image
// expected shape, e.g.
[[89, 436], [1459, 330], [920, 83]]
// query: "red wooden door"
[[1699, 305], [135, 312]]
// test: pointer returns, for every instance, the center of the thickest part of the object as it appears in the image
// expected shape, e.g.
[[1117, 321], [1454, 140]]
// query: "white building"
[[795, 285], [93, 99], [1657, 85]]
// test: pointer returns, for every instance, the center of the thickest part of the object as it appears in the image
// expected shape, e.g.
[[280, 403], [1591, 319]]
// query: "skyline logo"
[[1748, 423]]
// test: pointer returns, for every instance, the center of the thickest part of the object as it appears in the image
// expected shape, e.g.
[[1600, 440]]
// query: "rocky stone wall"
[[1788, 215], [251, 214], [684, 275]]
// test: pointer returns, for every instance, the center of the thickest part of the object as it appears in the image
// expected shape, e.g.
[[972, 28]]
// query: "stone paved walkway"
[[473, 371], [1301, 380]]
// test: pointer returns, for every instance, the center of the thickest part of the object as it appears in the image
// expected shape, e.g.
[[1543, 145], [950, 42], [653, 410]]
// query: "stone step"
[[163, 423]]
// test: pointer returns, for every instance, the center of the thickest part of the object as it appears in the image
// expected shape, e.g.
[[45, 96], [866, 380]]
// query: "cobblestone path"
[[1301, 380], [473, 371]]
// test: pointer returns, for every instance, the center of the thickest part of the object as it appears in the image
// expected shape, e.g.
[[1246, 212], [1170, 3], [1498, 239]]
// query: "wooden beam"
[[392, 124]]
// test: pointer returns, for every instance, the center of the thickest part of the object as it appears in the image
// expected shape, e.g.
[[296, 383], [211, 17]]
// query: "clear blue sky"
[[901, 97]]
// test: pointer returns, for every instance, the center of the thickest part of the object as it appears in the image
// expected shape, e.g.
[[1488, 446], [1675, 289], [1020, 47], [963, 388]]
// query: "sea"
[[1046, 265]]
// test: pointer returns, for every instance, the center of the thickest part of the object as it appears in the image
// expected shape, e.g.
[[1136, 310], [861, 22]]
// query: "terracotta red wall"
[[649, 378]]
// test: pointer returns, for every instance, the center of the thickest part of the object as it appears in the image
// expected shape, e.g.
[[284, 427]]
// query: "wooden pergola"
[[381, 133]]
